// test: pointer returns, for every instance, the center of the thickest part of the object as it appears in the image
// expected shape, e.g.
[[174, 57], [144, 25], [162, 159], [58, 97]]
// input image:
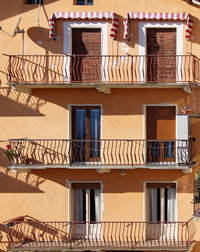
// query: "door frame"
[[145, 218], [142, 47], [145, 121], [69, 201], [67, 41], [69, 123], [145, 204]]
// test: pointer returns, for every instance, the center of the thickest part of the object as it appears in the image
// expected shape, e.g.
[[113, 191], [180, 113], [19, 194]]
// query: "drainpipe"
[[38, 17], [196, 2]]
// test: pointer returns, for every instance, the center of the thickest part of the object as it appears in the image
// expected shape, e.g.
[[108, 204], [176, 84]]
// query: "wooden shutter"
[[87, 43], [85, 186], [161, 42], [160, 122], [161, 185]]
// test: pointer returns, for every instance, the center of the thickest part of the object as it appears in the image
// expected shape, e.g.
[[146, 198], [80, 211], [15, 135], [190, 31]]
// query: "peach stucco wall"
[[43, 194], [45, 113]]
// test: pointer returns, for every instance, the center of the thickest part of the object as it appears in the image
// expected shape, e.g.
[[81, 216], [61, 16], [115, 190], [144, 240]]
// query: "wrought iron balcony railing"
[[29, 234], [97, 153], [63, 69]]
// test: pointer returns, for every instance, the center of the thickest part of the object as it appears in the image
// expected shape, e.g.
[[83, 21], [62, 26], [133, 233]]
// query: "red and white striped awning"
[[83, 16], [158, 16]]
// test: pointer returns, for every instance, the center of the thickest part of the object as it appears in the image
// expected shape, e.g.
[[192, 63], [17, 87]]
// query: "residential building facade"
[[99, 125]]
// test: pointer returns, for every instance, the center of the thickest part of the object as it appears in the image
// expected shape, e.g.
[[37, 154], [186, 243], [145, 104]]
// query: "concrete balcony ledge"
[[186, 169]]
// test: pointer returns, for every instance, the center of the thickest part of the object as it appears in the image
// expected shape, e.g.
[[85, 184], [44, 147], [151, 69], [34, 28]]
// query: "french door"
[[161, 211], [86, 133], [86, 209]]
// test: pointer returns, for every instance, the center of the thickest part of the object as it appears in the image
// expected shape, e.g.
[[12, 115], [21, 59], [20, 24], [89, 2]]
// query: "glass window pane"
[[90, 2], [80, 2]]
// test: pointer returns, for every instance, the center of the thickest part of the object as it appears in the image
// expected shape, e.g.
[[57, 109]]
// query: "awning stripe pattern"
[[158, 16], [83, 16]]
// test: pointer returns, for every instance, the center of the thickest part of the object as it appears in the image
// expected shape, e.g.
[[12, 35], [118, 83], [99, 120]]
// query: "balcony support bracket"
[[105, 90], [100, 171], [23, 89], [187, 171], [187, 89]]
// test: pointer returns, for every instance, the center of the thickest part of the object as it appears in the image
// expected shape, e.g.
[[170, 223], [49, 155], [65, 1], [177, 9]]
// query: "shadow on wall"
[[3, 246], [40, 36], [18, 103], [19, 182], [12, 181], [17, 7]]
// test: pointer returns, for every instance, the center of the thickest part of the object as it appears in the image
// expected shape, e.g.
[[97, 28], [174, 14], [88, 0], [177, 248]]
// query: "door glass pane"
[[171, 204], [79, 205], [90, 2], [80, 133], [95, 132], [95, 205], [80, 123], [154, 204]]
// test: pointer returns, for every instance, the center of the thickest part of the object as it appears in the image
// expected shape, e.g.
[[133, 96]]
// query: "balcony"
[[109, 71], [26, 234], [97, 154]]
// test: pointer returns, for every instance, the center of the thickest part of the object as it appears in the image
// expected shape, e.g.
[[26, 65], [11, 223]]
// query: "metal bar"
[[119, 152]]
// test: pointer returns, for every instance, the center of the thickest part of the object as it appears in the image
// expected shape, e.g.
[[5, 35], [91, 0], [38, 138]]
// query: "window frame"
[[87, 156], [73, 121], [142, 41], [85, 184], [160, 184]]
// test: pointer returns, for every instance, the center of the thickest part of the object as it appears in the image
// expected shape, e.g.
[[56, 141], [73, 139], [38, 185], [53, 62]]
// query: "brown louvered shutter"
[[85, 186], [86, 42], [160, 122], [161, 42]]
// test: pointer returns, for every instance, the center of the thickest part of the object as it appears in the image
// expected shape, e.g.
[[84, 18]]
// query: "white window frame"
[[67, 41], [143, 42]]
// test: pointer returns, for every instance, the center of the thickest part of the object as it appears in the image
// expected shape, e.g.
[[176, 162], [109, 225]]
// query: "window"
[[84, 2], [86, 202], [34, 2], [86, 133]]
